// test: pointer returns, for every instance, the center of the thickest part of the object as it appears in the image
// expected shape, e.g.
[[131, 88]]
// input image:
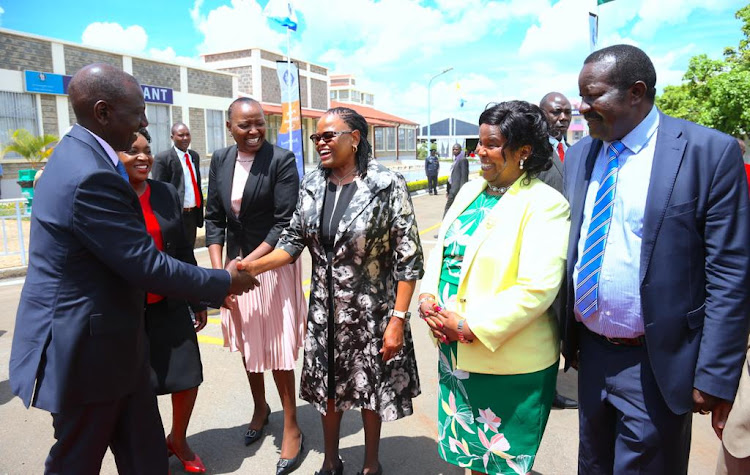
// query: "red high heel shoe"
[[190, 466]]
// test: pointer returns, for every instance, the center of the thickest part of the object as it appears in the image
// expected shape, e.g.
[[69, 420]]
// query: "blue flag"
[[282, 12]]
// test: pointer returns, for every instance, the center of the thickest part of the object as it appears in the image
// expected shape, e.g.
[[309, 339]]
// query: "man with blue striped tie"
[[658, 271]]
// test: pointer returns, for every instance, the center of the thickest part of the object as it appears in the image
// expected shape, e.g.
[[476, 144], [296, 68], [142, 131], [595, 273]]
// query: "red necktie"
[[196, 190], [560, 151]]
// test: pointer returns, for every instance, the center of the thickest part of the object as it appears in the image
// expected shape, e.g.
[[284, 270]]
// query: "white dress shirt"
[[189, 201], [619, 300]]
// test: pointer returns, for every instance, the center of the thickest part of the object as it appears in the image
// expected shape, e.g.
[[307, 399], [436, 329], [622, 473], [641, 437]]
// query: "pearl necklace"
[[501, 190], [342, 178]]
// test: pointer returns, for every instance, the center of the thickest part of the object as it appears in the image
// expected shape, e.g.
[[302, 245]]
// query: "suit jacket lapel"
[[225, 179], [261, 163], [668, 153]]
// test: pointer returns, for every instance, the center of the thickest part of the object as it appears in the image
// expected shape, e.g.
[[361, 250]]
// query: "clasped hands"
[[443, 323], [242, 280]]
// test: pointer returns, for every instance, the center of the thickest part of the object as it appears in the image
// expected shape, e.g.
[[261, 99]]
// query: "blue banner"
[[46, 83], [290, 132]]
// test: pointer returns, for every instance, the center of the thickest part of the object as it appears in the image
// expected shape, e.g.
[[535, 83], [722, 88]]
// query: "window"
[[401, 139], [273, 124], [411, 140], [390, 138], [356, 96], [333, 95], [159, 127], [344, 95], [214, 130], [379, 139], [17, 111]]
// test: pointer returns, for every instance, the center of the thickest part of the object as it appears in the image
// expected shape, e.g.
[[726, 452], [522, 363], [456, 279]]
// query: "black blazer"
[[459, 175], [79, 334], [268, 202], [168, 212], [168, 168], [554, 176]]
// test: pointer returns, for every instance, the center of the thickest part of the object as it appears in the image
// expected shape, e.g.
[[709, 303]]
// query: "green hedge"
[[422, 184]]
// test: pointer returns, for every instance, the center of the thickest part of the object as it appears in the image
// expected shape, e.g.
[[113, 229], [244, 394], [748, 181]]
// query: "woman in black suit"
[[252, 193], [176, 367]]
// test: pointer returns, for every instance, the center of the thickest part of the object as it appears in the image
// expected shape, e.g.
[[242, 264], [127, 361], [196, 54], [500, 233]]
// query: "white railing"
[[13, 234]]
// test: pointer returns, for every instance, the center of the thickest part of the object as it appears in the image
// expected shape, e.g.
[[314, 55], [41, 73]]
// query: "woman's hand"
[[393, 338], [448, 324], [201, 318], [427, 310], [229, 302]]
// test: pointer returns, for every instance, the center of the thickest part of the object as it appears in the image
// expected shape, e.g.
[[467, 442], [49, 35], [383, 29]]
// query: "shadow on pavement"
[[3, 332], [5, 393]]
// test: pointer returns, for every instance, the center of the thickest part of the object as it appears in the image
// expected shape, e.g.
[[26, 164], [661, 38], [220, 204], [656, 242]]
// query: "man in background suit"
[[79, 346], [557, 110], [182, 168], [459, 176], [657, 271]]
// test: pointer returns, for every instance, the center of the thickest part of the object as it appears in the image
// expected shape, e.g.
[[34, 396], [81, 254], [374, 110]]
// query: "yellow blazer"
[[512, 269]]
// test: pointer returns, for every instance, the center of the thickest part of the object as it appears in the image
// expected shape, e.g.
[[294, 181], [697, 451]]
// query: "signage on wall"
[[50, 83]]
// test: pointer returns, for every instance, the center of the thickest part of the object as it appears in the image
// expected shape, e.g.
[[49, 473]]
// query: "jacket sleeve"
[[727, 306], [292, 239], [105, 220], [161, 171], [285, 192], [404, 234], [463, 168], [215, 218], [541, 264]]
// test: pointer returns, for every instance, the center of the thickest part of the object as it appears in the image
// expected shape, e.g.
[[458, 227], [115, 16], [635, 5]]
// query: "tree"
[[715, 93], [34, 148]]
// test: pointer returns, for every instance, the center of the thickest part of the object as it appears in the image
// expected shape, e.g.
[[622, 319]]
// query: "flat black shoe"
[[562, 402], [337, 471], [379, 472], [284, 466], [253, 435]]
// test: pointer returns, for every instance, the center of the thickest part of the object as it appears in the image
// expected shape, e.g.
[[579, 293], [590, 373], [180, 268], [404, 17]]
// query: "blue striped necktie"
[[596, 240], [121, 170]]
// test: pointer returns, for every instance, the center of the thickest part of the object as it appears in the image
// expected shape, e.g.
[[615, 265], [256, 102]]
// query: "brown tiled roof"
[[374, 116]]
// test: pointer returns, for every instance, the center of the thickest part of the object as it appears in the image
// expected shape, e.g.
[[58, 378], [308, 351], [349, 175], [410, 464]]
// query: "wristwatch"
[[400, 314]]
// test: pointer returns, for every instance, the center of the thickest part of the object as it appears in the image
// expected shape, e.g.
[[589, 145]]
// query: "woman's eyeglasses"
[[328, 135]]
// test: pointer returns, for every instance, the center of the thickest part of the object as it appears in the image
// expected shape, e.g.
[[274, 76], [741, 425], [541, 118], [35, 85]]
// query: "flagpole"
[[288, 84]]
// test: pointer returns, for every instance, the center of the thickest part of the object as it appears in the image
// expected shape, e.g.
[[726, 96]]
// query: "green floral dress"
[[488, 423]]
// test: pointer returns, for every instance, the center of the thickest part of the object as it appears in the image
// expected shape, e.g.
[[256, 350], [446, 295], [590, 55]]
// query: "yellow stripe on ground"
[[211, 340], [214, 320], [434, 226]]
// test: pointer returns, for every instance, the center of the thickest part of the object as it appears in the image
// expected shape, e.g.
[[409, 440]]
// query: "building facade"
[[34, 72], [343, 89]]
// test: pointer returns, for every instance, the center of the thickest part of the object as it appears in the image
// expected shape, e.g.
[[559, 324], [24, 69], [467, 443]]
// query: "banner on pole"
[[593, 31], [290, 132], [282, 13]]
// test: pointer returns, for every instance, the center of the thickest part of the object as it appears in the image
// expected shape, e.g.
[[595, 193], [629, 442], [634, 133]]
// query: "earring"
[[521, 164], [354, 147]]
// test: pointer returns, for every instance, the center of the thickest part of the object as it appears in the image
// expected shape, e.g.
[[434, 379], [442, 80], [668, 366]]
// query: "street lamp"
[[429, 103]]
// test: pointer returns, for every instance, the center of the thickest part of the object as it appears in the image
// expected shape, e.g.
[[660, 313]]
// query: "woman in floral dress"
[[489, 283], [357, 220]]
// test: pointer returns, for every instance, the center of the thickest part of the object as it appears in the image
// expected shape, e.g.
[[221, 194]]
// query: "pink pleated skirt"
[[267, 325]]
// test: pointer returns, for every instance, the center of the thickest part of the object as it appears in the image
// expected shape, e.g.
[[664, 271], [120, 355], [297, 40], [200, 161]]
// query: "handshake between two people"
[[242, 279], [244, 272]]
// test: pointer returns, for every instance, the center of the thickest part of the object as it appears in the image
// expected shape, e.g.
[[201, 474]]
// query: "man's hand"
[[242, 281], [703, 402], [393, 338], [719, 409], [201, 318]]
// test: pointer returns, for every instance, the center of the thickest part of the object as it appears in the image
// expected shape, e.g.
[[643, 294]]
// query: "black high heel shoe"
[[253, 435], [284, 466], [336, 471]]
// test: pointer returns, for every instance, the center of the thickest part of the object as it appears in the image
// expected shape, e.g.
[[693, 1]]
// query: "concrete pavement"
[[224, 408]]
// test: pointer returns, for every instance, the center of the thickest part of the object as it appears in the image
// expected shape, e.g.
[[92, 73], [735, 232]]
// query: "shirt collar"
[[107, 147], [642, 133], [180, 153]]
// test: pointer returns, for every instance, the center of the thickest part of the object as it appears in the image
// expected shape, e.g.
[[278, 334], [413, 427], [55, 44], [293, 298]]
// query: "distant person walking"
[[459, 175], [431, 169]]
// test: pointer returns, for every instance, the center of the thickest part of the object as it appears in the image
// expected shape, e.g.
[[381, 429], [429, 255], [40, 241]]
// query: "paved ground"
[[224, 408]]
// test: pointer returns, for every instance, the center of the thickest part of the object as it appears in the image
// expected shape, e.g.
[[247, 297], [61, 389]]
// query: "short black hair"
[[145, 134], [354, 120], [631, 65], [242, 100], [522, 123]]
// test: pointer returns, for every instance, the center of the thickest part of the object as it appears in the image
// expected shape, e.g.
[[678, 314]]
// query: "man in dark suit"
[[657, 271], [182, 168], [459, 175], [79, 347], [557, 110]]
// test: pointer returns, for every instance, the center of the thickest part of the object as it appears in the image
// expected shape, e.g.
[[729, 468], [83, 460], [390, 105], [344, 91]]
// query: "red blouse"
[[152, 226]]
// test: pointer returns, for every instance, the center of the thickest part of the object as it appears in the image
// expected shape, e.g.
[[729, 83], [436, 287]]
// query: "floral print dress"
[[376, 245], [488, 423]]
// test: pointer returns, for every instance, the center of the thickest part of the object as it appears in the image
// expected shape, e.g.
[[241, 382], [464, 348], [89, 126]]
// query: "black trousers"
[[130, 426], [190, 224], [432, 181]]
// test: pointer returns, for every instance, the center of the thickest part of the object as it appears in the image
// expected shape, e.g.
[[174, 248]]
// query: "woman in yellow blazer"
[[495, 271]]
